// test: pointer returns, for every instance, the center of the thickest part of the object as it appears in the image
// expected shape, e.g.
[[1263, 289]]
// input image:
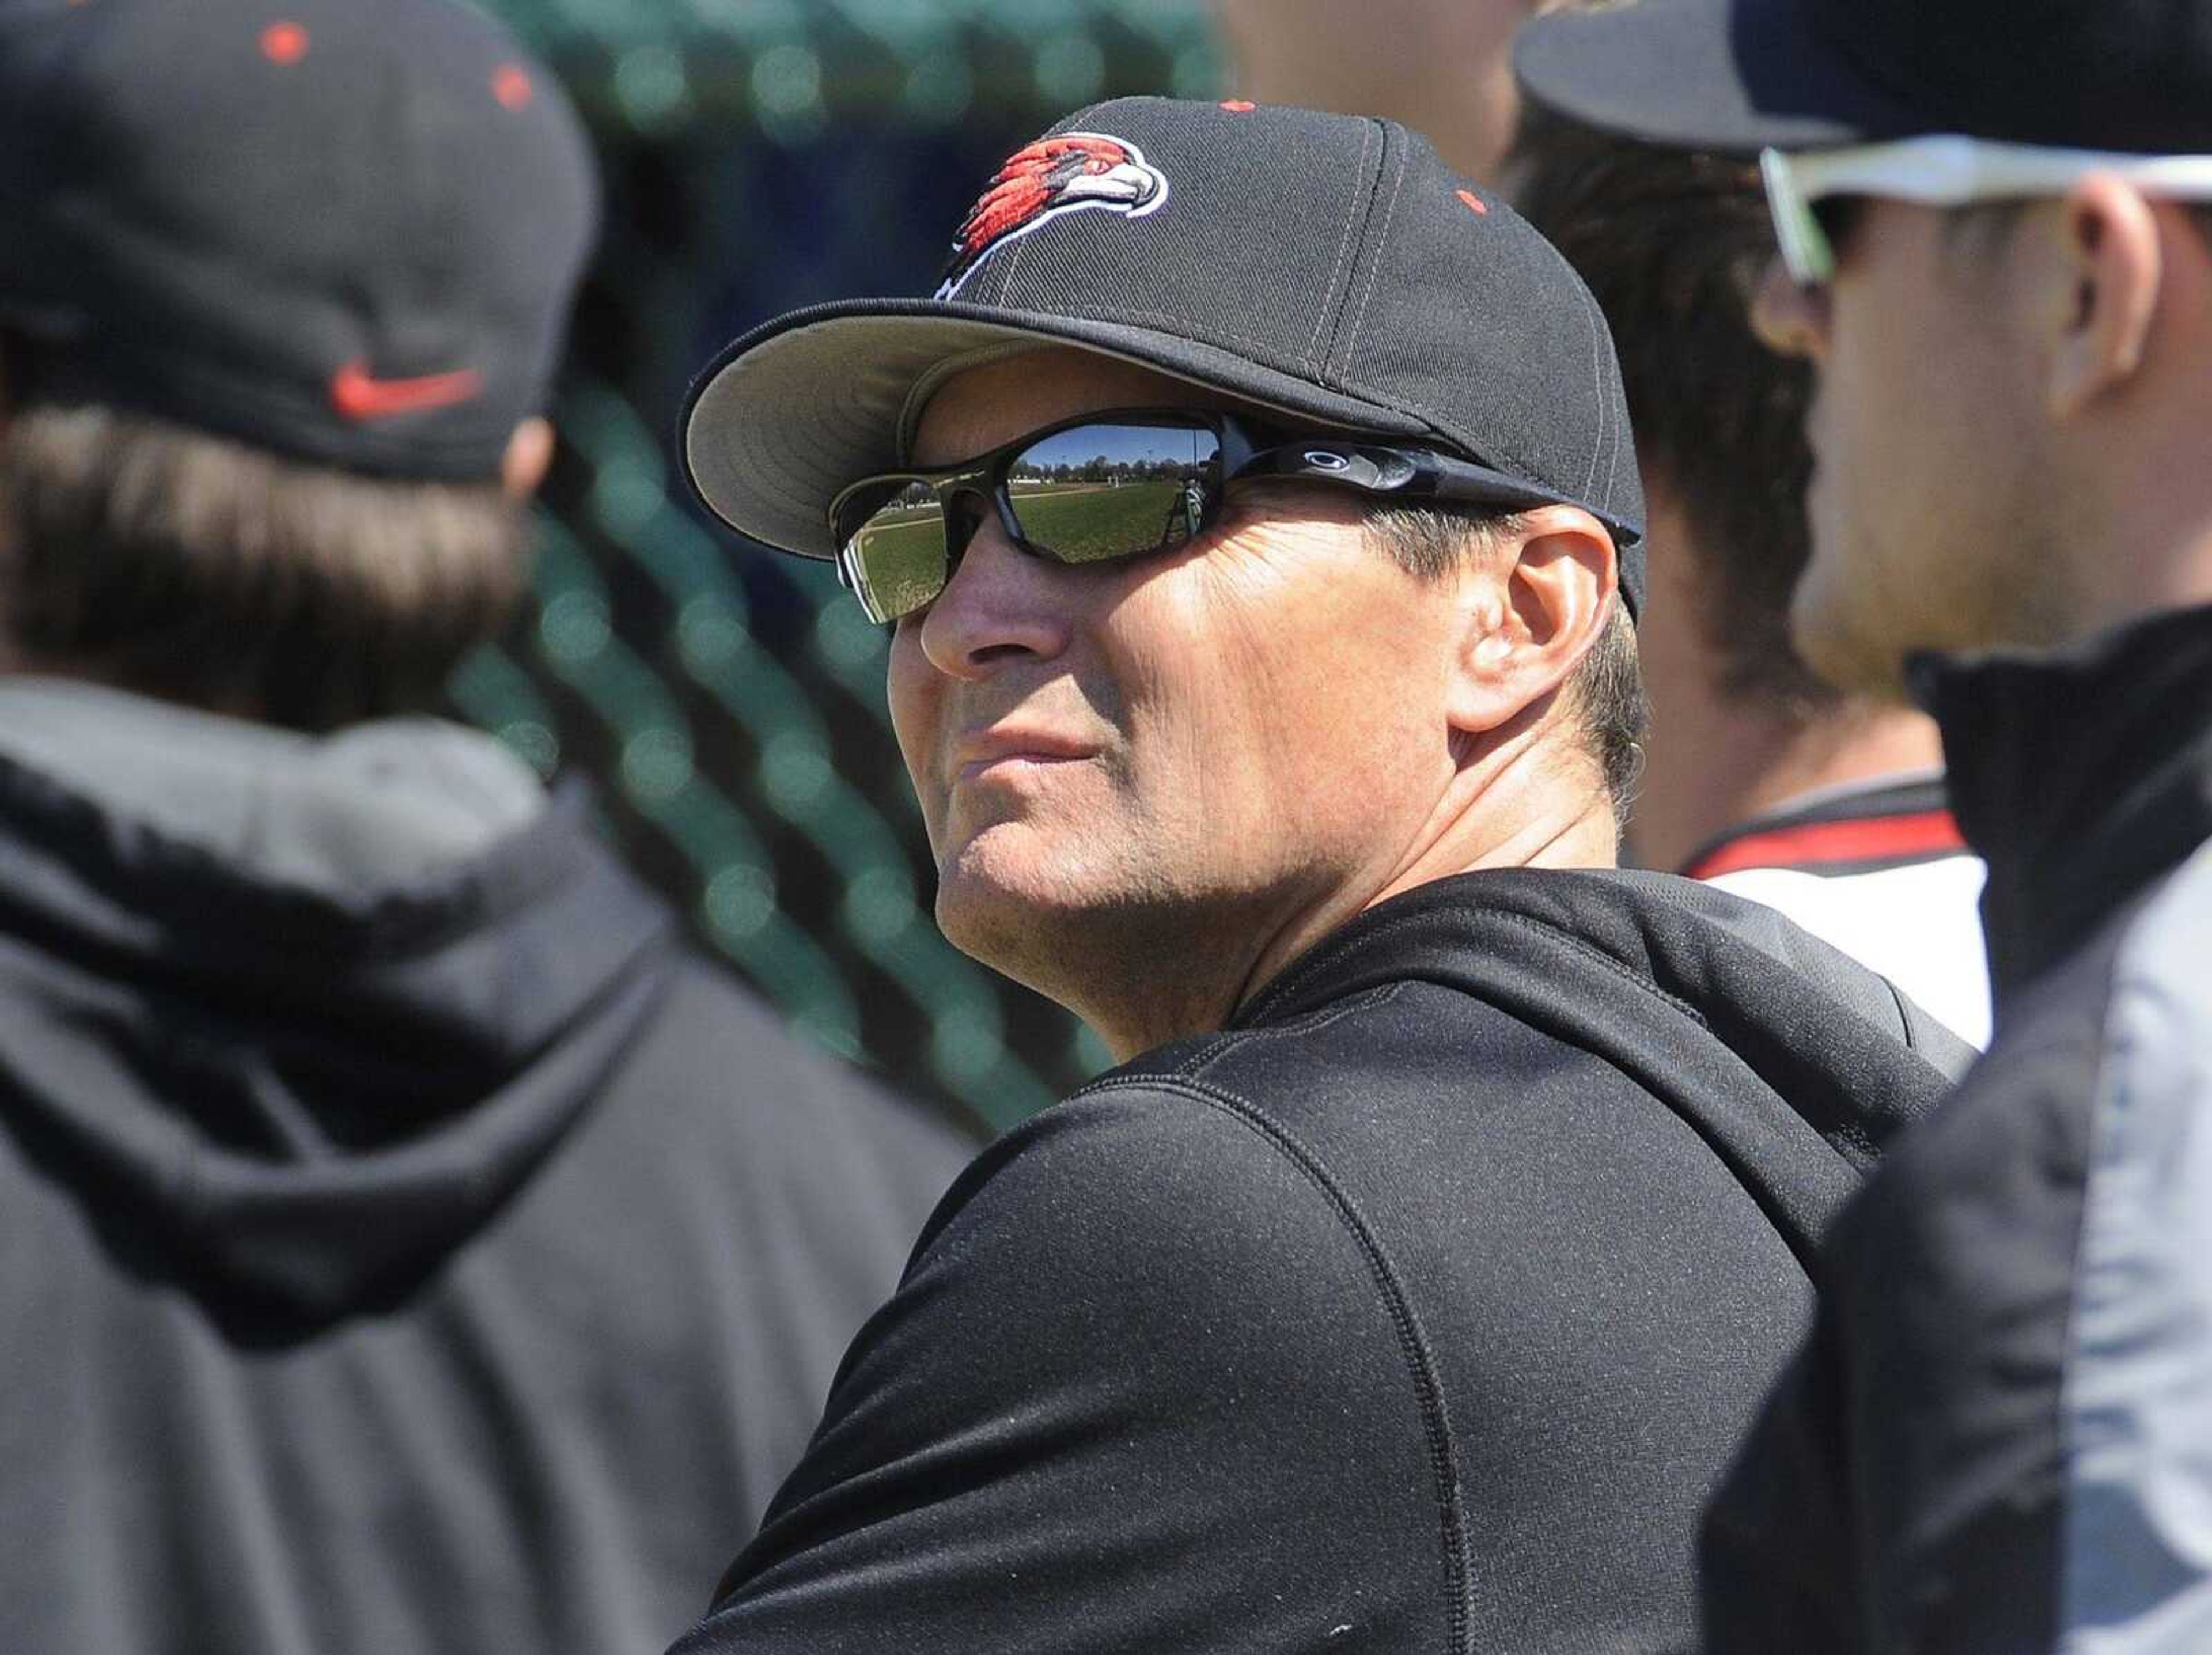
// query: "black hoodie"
[[398, 1250], [1417, 1311]]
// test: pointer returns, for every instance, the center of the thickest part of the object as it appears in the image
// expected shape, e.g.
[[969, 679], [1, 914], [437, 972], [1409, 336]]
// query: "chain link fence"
[[761, 154]]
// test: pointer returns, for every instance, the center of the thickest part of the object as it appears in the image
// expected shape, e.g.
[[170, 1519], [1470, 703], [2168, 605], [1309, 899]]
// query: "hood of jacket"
[[2080, 774], [295, 1016], [1793, 1062]]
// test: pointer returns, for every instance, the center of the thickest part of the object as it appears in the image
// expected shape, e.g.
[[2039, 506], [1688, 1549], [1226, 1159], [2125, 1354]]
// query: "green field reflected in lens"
[[1096, 493], [1091, 523], [1088, 493], [899, 553]]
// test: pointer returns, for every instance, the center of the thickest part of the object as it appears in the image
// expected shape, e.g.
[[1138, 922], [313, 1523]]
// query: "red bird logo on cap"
[[1063, 173]]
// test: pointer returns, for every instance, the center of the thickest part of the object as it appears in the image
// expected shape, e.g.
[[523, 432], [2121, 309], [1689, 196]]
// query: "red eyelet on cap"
[[1239, 106], [1475, 202], [510, 84], [283, 43]]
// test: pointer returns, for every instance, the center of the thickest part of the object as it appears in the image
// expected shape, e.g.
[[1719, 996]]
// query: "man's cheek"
[[916, 723]]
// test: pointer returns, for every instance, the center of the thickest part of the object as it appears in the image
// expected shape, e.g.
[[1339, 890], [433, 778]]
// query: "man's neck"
[[1521, 804], [1712, 763]]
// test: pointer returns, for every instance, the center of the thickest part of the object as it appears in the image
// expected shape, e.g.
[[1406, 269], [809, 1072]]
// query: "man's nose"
[[1001, 605], [1789, 318]]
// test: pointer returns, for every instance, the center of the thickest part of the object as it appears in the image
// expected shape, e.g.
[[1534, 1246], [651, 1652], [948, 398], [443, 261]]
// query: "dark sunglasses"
[[1106, 487]]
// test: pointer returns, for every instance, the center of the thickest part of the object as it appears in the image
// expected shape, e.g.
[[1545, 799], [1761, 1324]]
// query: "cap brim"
[[797, 409], [1732, 75]]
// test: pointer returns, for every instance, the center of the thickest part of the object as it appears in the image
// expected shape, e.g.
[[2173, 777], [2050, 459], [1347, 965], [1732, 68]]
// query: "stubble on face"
[[1929, 502]]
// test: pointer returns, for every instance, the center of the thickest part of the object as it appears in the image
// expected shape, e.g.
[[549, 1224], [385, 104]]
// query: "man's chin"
[[1051, 913], [1841, 653], [1001, 906]]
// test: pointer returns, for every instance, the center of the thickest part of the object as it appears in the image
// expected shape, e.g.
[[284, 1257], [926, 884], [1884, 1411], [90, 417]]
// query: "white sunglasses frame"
[[1945, 170]]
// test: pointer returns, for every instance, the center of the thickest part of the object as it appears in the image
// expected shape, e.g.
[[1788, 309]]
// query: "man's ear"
[[1530, 611], [2102, 291], [529, 456]]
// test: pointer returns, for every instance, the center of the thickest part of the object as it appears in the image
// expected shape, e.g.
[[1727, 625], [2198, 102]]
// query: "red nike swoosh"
[[357, 396]]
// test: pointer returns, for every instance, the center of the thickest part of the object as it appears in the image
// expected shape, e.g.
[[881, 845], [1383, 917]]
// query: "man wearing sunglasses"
[[1993, 249], [1255, 514]]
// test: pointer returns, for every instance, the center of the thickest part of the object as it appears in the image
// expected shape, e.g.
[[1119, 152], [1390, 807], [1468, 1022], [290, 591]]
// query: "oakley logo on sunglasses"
[[1064, 174]]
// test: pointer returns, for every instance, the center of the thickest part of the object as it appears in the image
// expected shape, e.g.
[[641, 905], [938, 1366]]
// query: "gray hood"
[[297, 1014]]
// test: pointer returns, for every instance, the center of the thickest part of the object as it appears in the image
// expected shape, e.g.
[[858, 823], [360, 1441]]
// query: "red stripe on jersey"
[[1816, 844]]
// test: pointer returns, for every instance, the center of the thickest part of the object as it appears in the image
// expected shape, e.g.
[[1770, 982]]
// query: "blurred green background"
[[760, 154]]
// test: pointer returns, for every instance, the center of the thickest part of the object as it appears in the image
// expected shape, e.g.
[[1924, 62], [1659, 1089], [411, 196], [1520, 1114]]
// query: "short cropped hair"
[[1673, 245], [186, 565], [1984, 226], [1607, 685]]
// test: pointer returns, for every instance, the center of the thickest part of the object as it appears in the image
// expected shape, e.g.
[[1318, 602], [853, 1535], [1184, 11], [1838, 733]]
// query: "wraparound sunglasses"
[[1109, 486], [1816, 197]]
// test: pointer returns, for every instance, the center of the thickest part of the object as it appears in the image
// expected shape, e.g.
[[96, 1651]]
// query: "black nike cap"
[[1328, 267], [2130, 75], [347, 232]]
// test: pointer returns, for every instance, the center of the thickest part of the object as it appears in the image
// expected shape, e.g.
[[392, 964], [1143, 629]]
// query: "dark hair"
[[1607, 687], [201, 569], [1673, 245]]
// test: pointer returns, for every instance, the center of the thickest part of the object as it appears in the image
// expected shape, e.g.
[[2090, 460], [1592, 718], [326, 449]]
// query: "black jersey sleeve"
[[1139, 1389]]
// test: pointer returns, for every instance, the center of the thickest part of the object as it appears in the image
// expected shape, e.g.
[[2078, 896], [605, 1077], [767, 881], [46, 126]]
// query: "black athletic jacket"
[[1996, 1439], [1417, 1311], [455, 1266]]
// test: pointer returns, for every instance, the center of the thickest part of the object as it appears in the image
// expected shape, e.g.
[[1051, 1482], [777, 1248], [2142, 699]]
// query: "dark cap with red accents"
[[346, 231], [1326, 266]]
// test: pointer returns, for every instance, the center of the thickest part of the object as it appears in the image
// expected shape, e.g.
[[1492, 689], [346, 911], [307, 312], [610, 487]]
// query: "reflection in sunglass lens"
[[1094, 493], [894, 548], [1089, 494]]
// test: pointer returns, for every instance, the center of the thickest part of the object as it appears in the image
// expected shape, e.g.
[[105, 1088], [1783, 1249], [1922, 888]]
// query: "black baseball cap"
[[1326, 267], [2129, 76], [345, 231]]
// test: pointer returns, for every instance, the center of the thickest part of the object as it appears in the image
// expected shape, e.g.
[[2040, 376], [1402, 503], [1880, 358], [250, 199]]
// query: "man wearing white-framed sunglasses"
[[1944, 169], [1993, 249]]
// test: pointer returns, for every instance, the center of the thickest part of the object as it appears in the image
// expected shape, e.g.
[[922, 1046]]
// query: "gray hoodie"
[[405, 1243]]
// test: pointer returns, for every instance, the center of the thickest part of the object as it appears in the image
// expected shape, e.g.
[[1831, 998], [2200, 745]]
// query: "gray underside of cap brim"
[[801, 410], [1732, 75]]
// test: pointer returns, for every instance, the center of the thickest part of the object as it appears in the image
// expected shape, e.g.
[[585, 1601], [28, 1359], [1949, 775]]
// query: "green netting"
[[762, 153], [791, 68]]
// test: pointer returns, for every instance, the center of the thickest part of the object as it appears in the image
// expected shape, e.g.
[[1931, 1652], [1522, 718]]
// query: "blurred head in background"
[[281, 300], [1444, 66], [1674, 244]]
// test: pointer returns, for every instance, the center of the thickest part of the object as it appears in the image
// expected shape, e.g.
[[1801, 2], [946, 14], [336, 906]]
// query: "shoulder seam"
[[1412, 1342], [1320, 1018]]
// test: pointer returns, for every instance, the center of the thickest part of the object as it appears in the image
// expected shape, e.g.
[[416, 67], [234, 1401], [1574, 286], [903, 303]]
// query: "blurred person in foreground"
[[1827, 804], [1994, 252], [1256, 509], [405, 1244]]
